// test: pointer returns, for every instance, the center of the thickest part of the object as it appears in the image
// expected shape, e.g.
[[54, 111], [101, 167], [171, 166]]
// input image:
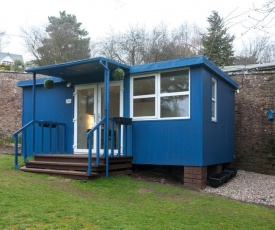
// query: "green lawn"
[[31, 201]]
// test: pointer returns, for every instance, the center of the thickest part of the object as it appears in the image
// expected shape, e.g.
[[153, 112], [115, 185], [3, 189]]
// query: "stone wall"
[[255, 134], [10, 102]]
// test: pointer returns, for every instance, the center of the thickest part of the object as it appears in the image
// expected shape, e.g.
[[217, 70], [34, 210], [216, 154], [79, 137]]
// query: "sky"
[[100, 17]]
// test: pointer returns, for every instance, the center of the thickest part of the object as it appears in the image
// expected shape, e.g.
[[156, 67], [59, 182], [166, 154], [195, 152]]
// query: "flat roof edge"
[[73, 63], [183, 62], [39, 81]]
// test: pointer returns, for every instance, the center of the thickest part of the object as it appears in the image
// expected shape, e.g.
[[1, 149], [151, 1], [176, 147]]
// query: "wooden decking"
[[75, 166]]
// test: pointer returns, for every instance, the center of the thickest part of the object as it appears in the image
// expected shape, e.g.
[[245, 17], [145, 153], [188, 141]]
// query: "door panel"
[[89, 110], [114, 111], [85, 115]]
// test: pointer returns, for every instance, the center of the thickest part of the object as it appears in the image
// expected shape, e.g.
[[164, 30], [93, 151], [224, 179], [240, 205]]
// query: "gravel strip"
[[248, 187]]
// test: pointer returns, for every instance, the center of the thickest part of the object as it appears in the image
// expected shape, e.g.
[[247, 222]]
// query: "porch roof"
[[79, 71]]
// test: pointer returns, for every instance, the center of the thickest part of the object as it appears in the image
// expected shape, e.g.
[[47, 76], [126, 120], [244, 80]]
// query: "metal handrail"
[[22, 130], [90, 144], [15, 135]]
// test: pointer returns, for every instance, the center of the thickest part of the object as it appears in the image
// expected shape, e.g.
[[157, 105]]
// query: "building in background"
[[9, 58]]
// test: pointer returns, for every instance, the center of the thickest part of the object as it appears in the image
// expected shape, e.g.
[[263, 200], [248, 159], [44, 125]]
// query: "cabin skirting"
[[197, 177]]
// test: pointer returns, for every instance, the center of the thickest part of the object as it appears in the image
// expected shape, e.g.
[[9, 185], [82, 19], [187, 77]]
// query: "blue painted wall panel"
[[190, 142], [50, 106], [166, 143], [219, 136], [172, 142]]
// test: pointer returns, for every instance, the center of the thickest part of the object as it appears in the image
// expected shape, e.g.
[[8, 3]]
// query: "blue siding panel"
[[50, 106], [165, 143], [191, 142], [218, 137], [172, 142]]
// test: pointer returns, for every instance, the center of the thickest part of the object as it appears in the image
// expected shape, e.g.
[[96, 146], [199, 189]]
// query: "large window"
[[161, 95], [214, 99]]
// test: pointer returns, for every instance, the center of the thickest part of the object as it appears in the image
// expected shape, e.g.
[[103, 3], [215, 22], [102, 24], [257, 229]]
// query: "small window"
[[144, 86], [144, 101], [214, 99]]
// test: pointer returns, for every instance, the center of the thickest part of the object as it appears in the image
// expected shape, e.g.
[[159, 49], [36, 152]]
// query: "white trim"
[[77, 88], [214, 118], [158, 95]]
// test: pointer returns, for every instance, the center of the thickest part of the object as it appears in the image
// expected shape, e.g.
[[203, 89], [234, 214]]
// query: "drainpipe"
[[106, 113], [33, 110]]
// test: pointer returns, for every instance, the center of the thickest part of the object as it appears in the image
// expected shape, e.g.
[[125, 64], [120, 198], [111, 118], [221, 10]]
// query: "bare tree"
[[33, 37], [259, 50], [187, 40], [125, 47], [138, 46], [160, 46], [3, 41], [262, 17]]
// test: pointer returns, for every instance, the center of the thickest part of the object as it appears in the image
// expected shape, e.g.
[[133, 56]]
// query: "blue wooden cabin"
[[182, 113]]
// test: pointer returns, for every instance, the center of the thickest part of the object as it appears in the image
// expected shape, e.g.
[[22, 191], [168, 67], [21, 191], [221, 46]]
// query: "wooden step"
[[121, 159], [64, 173], [75, 158], [113, 167], [75, 166], [79, 158], [58, 165]]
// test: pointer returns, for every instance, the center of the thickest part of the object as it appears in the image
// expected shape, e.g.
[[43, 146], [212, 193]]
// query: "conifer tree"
[[63, 40], [66, 41], [217, 44]]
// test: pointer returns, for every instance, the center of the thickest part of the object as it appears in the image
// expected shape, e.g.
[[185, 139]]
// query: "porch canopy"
[[85, 71], [81, 71]]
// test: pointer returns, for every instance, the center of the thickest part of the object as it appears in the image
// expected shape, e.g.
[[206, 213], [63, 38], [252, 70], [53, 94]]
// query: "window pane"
[[144, 86], [175, 106], [114, 101], [214, 89], [213, 109], [85, 111], [177, 81], [144, 107]]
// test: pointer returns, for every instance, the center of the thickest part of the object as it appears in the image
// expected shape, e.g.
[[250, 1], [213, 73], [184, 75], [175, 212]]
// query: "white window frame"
[[157, 95], [214, 99], [143, 96]]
